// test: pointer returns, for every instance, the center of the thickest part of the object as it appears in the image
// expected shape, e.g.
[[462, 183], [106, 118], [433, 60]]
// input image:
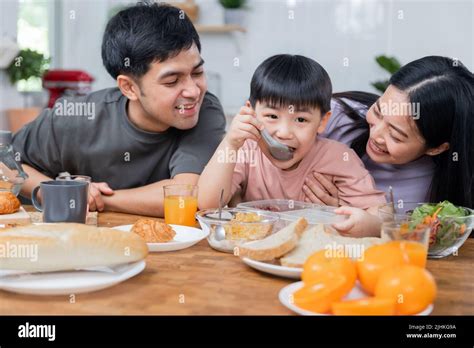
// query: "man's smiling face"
[[172, 91]]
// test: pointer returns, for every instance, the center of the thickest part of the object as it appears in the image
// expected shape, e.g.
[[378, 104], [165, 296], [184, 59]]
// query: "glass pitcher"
[[12, 175]]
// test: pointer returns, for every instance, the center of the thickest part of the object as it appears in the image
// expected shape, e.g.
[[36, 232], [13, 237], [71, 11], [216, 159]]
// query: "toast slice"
[[275, 245], [318, 238]]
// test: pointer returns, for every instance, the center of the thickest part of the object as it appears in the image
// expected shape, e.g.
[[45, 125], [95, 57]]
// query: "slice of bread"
[[67, 246], [275, 245], [318, 238]]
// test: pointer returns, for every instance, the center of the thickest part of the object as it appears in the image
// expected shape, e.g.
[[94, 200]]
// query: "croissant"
[[153, 231], [9, 203]]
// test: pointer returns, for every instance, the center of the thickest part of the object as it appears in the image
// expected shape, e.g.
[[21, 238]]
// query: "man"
[[159, 127]]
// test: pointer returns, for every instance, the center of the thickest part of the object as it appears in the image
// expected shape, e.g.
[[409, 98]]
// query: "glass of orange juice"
[[412, 239], [180, 204]]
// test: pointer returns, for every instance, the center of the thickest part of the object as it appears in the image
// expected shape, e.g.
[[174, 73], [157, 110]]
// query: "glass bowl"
[[290, 211], [277, 205], [448, 231], [240, 225]]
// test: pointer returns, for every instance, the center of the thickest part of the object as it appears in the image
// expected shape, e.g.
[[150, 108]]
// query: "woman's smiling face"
[[290, 126], [394, 136]]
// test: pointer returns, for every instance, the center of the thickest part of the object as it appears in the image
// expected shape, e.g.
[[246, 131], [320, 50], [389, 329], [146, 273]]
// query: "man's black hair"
[[141, 34]]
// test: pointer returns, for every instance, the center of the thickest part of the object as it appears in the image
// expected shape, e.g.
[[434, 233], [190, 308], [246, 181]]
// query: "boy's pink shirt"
[[259, 179]]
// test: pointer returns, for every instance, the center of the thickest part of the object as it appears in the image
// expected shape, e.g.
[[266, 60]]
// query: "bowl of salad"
[[450, 225]]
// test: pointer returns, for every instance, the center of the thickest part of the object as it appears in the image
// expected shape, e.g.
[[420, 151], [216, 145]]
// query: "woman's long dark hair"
[[444, 90]]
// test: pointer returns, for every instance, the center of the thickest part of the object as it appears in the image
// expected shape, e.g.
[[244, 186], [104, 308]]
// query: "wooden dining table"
[[202, 281]]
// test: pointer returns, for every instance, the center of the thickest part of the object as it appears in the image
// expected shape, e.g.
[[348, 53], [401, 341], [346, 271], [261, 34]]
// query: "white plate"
[[281, 271], [184, 238], [68, 282], [286, 294]]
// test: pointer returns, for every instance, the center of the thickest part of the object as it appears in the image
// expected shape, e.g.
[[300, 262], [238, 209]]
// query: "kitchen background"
[[345, 36]]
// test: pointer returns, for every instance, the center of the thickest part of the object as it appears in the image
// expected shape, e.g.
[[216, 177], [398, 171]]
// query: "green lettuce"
[[447, 209], [448, 216]]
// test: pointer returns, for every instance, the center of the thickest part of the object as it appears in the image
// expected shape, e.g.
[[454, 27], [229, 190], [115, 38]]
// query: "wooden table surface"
[[200, 280]]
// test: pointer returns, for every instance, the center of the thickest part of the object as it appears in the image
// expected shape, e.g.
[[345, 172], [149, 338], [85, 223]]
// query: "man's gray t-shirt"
[[104, 144]]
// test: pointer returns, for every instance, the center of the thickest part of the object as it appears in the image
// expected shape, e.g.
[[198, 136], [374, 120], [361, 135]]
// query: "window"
[[34, 18]]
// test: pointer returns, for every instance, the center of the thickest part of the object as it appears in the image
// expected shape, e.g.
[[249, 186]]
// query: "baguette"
[[67, 246], [275, 245], [318, 238]]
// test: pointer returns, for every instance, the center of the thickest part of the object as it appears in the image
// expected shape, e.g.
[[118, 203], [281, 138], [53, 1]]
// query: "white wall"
[[9, 97], [329, 31], [83, 23]]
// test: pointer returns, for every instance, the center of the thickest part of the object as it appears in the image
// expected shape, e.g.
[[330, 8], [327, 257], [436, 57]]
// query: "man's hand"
[[96, 190]]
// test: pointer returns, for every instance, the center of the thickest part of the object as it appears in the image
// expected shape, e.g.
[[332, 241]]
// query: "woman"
[[416, 137]]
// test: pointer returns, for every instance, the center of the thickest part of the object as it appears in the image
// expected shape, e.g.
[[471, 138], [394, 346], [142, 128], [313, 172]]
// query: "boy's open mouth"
[[291, 148]]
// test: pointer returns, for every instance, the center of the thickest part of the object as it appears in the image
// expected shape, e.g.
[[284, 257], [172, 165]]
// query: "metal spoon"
[[392, 201], [219, 232], [278, 150]]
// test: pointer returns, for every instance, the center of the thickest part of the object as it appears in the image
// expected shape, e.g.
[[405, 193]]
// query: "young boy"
[[289, 97]]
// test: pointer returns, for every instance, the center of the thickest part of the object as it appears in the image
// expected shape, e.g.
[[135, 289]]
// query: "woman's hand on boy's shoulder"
[[319, 188], [244, 126]]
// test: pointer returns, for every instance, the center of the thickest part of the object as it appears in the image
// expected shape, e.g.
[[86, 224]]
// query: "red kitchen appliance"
[[66, 82]]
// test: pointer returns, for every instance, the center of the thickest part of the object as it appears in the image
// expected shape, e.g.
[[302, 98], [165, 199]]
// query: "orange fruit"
[[322, 264], [365, 306], [416, 252], [376, 259], [318, 297], [413, 288]]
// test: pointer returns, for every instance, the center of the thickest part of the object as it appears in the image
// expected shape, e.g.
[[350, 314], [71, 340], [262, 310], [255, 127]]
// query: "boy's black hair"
[[144, 33], [285, 80]]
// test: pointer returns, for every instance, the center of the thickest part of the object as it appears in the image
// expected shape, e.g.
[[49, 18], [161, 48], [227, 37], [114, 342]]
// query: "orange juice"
[[180, 210], [417, 252]]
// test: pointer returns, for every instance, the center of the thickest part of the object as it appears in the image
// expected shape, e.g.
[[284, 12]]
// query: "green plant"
[[390, 64], [27, 64], [232, 3]]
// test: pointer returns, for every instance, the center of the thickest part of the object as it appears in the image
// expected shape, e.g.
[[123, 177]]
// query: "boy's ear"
[[324, 121], [128, 87], [437, 150]]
